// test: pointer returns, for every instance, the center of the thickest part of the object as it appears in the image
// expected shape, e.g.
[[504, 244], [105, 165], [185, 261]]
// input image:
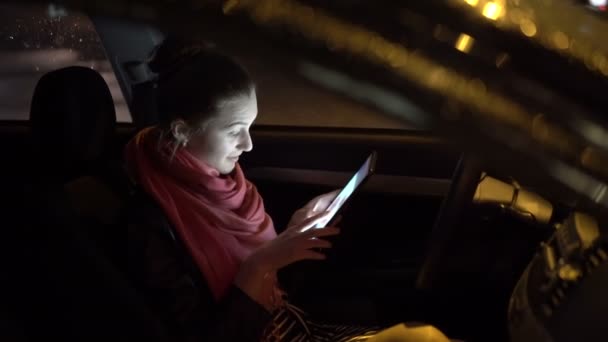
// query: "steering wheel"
[[446, 228]]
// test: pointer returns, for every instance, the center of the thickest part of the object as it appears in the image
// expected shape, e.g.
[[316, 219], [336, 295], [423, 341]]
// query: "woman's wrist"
[[251, 279], [250, 273]]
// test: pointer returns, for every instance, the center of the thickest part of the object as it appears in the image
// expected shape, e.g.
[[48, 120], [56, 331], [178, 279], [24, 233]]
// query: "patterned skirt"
[[291, 324]]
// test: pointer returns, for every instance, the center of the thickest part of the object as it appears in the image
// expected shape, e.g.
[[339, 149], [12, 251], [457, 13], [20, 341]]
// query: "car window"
[[36, 39], [290, 99], [290, 88]]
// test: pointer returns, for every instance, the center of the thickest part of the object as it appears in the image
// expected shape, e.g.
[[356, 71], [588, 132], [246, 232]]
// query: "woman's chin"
[[227, 169]]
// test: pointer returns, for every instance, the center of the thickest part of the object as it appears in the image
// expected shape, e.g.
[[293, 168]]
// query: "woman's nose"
[[246, 143]]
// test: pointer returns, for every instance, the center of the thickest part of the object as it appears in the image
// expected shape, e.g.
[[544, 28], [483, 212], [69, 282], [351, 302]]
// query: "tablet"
[[353, 185]]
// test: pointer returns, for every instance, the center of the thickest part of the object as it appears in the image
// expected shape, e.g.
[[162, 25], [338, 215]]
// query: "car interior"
[[437, 235]]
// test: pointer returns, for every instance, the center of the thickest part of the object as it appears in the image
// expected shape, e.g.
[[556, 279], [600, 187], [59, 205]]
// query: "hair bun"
[[173, 52]]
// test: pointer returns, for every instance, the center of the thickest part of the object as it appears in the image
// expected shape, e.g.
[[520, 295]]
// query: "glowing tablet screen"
[[365, 170]]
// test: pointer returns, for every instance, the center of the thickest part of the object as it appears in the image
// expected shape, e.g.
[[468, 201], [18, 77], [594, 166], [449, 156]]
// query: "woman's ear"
[[180, 131]]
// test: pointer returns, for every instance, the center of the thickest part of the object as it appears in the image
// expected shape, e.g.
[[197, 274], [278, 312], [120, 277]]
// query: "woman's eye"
[[233, 133]]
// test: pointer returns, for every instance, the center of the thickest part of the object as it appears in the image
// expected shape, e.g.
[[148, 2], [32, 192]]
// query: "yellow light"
[[492, 10], [598, 59], [527, 27], [464, 43], [472, 2], [561, 40], [229, 6], [604, 68]]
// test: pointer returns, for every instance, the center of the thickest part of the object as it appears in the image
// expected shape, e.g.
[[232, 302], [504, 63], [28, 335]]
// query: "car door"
[[385, 226]]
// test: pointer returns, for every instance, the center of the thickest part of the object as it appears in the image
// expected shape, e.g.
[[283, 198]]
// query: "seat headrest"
[[72, 117]]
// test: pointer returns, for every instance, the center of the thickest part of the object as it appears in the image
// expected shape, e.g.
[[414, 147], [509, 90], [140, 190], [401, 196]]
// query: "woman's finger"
[[311, 222], [308, 254], [327, 231], [316, 243], [321, 202]]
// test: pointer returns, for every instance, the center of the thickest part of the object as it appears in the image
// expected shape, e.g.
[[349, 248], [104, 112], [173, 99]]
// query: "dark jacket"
[[163, 270]]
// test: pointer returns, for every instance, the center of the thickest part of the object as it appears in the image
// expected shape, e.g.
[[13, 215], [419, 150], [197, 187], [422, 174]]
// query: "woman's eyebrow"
[[236, 123]]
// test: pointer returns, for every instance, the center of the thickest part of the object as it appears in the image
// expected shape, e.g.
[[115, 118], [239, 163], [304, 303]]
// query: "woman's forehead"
[[238, 108]]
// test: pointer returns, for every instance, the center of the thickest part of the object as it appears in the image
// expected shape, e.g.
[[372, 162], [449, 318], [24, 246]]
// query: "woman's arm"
[[167, 274], [183, 298]]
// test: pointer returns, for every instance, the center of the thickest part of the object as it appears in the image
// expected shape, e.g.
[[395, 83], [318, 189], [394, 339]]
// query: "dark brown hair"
[[193, 79]]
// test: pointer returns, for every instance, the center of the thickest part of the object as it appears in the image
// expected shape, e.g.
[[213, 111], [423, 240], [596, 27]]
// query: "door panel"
[[385, 227], [379, 183], [292, 165]]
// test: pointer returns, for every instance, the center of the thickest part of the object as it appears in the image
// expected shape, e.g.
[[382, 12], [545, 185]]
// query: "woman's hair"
[[194, 79]]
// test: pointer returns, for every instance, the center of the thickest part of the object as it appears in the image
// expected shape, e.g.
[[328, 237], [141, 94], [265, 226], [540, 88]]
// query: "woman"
[[192, 185]]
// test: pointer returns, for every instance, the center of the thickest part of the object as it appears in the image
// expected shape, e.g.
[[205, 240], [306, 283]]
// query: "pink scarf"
[[220, 219]]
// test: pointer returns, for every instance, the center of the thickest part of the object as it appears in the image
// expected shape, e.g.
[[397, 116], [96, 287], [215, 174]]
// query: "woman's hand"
[[296, 243], [317, 205]]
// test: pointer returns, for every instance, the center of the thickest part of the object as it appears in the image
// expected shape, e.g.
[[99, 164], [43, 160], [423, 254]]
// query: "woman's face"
[[226, 136]]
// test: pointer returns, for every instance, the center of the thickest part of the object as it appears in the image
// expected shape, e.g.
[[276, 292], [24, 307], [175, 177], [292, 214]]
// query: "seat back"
[[73, 122], [74, 231]]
